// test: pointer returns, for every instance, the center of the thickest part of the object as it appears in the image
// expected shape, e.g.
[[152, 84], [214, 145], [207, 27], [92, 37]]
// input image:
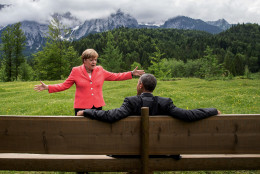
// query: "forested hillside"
[[167, 53], [240, 43], [234, 49], [139, 44]]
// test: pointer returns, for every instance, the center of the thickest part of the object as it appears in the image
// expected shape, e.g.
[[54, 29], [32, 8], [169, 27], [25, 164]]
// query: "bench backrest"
[[225, 134]]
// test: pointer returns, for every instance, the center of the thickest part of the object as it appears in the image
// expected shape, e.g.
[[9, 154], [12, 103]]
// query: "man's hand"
[[80, 113], [138, 72], [41, 87], [219, 112]]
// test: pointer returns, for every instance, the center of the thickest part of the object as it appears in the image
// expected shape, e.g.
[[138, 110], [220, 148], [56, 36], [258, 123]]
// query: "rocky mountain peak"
[[36, 32], [119, 12], [221, 23], [115, 20], [187, 23], [67, 19]]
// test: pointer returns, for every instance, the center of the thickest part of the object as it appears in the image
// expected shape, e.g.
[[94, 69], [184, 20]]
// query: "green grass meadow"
[[238, 96]]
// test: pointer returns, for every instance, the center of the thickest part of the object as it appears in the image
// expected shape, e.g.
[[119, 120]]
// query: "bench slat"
[[232, 134], [70, 163]]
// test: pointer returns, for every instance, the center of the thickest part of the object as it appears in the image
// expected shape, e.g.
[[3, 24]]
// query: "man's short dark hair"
[[149, 82]]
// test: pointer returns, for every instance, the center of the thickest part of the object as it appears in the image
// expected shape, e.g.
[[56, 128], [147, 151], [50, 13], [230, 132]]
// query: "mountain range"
[[36, 32]]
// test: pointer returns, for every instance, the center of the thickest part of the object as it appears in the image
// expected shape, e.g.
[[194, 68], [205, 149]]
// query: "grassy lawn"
[[239, 96]]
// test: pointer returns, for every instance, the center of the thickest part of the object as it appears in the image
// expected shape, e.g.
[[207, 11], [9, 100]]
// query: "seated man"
[[157, 105]]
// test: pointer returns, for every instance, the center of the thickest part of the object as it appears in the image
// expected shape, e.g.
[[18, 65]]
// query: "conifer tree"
[[111, 59], [157, 62], [210, 68], [8, 47], [13, 40], [56, 59], [229, 63], [19, 44]]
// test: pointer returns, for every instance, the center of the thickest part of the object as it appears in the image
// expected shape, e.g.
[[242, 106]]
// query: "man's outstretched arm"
[[109, 115], [191, 115]]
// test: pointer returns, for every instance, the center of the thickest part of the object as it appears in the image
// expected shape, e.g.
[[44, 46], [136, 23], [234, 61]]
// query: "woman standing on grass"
[[89, 79]]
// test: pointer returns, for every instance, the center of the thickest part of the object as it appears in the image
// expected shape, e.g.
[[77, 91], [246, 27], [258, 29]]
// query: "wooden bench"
[[69, 143]]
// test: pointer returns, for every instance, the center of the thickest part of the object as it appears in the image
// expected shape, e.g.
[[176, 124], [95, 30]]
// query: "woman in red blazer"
[[89, 79]]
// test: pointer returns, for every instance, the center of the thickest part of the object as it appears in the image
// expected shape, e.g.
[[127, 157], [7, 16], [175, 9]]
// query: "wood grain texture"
[[225, 134], [97, 163], [145, 140]]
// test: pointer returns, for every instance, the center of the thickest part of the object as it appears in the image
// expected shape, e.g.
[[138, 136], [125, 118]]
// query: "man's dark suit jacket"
[[157, 106]]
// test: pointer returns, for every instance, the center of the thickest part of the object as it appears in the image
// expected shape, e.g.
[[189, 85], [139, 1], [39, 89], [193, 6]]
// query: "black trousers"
[[79, 109]]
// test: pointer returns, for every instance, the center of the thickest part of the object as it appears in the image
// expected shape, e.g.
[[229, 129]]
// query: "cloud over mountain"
[[144, 11]]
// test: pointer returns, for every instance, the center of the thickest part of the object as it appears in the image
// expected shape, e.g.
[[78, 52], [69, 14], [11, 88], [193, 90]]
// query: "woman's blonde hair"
[[89, 53]]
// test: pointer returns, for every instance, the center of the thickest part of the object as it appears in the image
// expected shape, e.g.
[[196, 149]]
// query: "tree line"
[[167, 53], [53, 62], [183, 53]]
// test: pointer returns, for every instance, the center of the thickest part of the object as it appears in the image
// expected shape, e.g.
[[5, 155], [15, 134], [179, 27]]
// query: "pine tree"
[[111, 59], [13, 40], [210, 68], [157, 68], [55, 38], [26, 72], [57, 58], [239, 64], [72, 58], [229, 63], [19, 44], [8, 47]]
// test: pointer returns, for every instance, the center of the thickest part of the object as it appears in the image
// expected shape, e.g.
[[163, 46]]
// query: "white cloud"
[[233, 11]]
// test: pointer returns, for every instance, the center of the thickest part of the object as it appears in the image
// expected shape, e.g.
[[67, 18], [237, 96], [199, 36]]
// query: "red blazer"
[[88, 90]]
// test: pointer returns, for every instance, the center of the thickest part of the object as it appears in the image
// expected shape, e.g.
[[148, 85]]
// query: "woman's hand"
[[138, 72], [41, 87]]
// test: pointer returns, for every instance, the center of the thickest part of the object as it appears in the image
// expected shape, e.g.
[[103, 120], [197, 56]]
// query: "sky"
[[234, 11]]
